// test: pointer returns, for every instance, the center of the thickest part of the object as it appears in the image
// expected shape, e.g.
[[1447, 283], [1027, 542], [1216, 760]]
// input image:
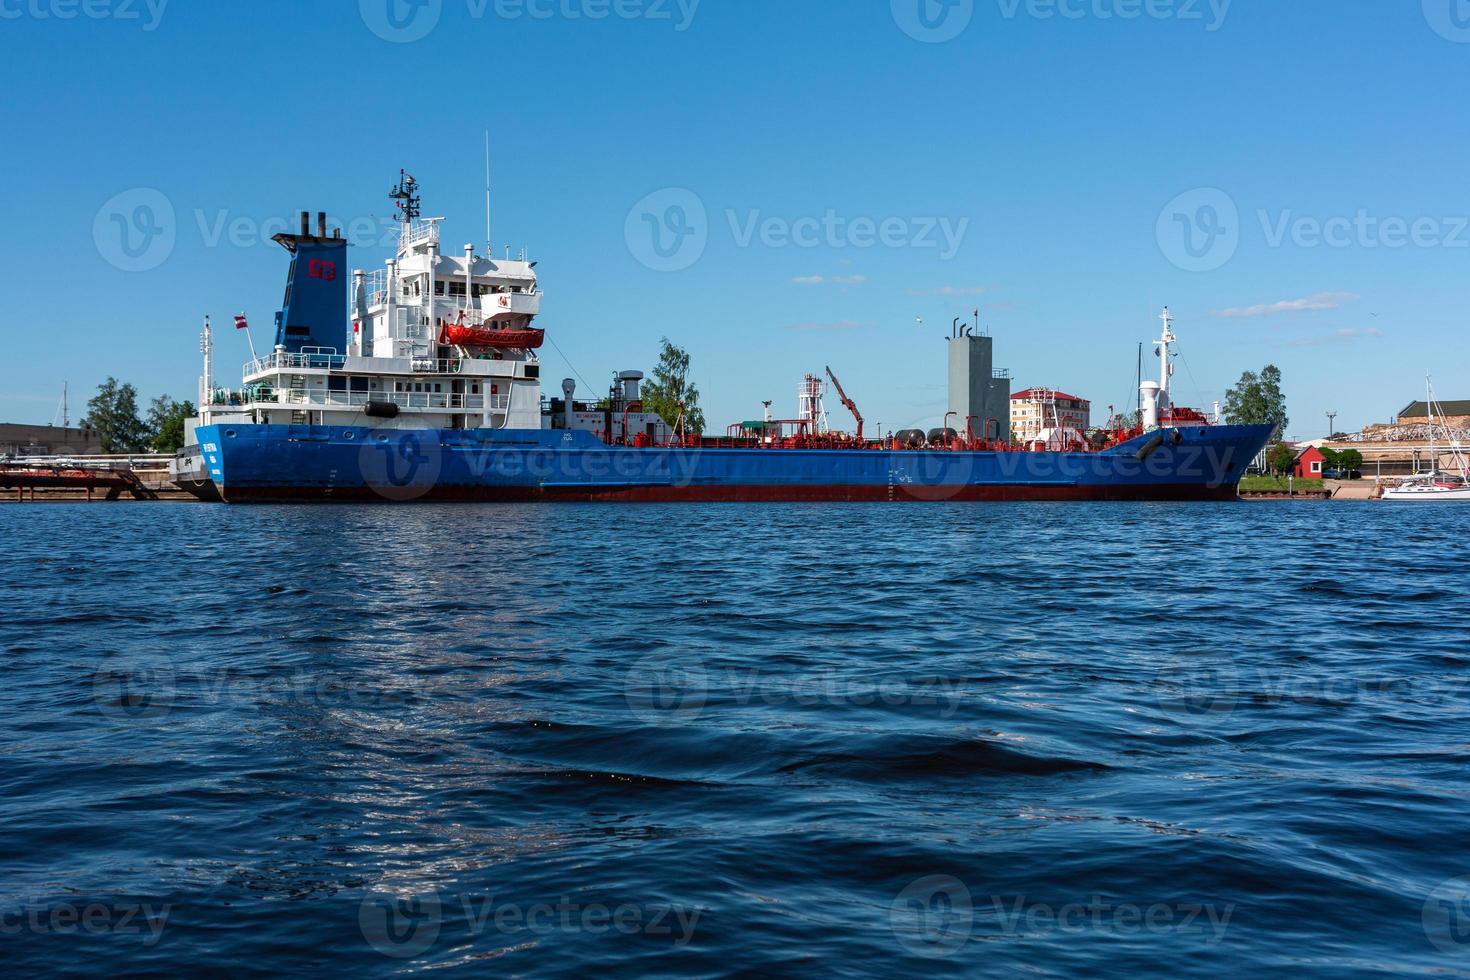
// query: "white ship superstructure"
[[436, 341]]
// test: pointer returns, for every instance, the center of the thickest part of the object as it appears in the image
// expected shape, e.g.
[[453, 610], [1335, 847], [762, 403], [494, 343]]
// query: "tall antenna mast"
[[406, 197], [206, 381], [487, 194]]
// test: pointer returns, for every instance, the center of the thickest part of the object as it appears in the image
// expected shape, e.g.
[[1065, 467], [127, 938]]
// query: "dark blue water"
[[1058, 740]]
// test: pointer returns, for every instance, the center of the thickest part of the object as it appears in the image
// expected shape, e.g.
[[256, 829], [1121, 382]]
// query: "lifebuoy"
[[505, 301]]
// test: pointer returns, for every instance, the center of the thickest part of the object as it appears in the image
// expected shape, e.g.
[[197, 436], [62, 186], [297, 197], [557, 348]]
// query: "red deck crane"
[[847, 403]]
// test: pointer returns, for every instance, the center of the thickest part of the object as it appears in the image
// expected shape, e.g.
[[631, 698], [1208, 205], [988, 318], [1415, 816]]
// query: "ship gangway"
[[135, 475]]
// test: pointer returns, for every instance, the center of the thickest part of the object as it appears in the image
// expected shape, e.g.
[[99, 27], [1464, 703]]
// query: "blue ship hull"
[[277, 463]]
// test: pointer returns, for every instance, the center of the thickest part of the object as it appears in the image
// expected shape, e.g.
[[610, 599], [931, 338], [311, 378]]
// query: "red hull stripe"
[[732, 494]]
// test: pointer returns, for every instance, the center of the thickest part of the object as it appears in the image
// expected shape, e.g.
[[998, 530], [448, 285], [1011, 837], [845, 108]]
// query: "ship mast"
[[206, 382], [1166, 370], [1154, 396]]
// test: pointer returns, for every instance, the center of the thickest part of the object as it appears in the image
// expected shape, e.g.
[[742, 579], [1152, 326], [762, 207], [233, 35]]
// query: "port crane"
[[847, 403]]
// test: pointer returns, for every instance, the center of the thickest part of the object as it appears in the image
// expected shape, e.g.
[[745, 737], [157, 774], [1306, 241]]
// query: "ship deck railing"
[[433, 401], [336, 362], [310, 360]]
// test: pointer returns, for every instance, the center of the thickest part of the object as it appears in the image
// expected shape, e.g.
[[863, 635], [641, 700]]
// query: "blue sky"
[[844, 168]]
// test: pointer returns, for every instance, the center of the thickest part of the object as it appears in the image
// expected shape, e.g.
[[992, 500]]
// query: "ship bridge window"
[[456, 289], [480, 289], [359, 384], [439, 287], [336, 383]]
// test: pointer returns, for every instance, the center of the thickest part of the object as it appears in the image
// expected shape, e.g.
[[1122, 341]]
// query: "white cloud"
[[1315, 303], [1340, 337], [835, 280]]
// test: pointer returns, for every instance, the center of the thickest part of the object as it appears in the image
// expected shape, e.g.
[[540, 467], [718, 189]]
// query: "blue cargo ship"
[[421, 381]]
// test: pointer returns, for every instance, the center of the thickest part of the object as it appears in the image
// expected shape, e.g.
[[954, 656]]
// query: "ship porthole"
[[229, 433], [349, 435]]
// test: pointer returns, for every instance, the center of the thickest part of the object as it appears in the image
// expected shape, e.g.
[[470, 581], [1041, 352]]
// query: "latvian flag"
[[240, 323]]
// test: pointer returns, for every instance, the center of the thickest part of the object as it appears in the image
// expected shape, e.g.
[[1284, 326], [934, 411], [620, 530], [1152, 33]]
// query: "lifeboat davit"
[[464, 335]]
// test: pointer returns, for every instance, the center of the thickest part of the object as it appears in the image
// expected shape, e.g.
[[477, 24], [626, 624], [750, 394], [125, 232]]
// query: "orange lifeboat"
[[464, 335]]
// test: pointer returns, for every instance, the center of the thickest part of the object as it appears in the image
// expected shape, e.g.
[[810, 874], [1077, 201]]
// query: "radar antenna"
[[405, 197]]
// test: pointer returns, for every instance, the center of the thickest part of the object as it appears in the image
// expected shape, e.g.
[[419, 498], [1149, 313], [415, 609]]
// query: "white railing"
[[424, 230], [403, 399], [317, 359]]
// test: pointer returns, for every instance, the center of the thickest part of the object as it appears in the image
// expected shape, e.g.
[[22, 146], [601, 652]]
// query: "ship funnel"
[[630, 380], [305, 224], [321, 224], [568, 389]]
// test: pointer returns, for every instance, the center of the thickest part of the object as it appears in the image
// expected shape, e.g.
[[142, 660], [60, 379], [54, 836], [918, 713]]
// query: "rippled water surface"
[[818, 740]]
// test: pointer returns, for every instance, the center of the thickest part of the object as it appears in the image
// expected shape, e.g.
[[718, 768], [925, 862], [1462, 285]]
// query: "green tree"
[[1349, 460], [1331, 459], [670, 387], [1257, 399], [1281, 459], [166, 421], [113, 415], [1274, 397]]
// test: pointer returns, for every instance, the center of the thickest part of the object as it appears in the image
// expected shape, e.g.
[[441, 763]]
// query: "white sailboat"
[[1436, 484]]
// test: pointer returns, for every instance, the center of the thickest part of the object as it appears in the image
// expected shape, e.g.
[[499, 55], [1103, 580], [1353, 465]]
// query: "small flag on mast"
[[240, 323]]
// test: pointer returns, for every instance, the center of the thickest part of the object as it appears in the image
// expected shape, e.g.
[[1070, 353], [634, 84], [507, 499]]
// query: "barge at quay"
[[420, 381]]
